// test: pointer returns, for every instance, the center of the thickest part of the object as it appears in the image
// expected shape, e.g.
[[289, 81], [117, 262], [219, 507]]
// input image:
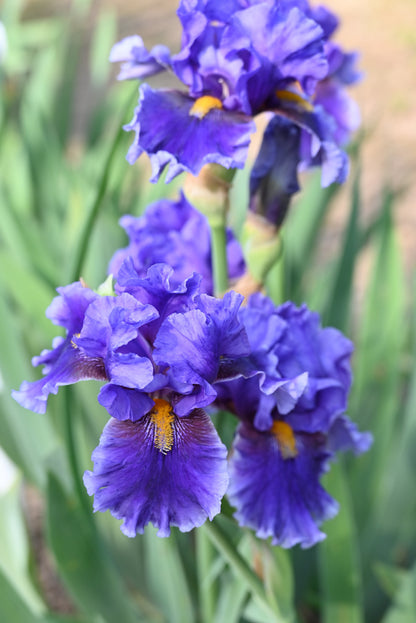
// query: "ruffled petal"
[[68, 309], [280, 497], [175, 477], [160, 289], [112, 322], [344, 435], [138, 61], [177, 234], [195, 344], [69, 366], [168, 131]]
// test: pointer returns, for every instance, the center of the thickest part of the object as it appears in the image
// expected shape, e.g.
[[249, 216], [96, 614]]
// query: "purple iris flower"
[[280, 454], [160, 346], [235, 57], [175, 233], [160, 459]]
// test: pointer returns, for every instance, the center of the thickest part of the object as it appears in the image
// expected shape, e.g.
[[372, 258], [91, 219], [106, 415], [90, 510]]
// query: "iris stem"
[[219, 258], [205, 557], [234, 559], [95, 208]]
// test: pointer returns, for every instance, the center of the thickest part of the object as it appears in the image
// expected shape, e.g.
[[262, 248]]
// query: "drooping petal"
[[274, 176], [277, 491], [171, 134], [344, 435], [70, 365], [65, 363], [170, 473]]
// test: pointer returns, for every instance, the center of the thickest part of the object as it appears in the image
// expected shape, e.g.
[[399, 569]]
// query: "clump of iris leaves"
[[60, 197]]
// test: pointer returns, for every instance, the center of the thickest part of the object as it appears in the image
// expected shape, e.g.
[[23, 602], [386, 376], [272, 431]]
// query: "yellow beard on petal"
[[203, 105], [285, 438], [162, 418], [294, 98]]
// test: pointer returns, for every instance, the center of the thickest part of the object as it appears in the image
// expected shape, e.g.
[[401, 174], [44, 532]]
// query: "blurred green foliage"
[[60, 198]]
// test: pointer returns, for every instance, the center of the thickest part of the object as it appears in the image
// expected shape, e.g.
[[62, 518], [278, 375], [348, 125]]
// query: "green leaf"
[[338, 306], [389, 577], [28, 437], [13, 608], [340, 573], [404, 607], [15, 548], [85, 565], [301, 232], [375, 401], [167, 582], [231, 600]]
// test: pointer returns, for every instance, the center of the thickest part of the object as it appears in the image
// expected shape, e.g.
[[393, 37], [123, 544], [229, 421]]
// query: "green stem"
[[204, 553], [219, 258], [95, 208], [234, 559]]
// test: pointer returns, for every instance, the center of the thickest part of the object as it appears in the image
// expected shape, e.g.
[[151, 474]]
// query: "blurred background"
[[351, 255]]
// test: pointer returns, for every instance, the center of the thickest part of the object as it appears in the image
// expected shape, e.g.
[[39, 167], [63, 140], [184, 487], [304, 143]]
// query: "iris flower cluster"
[[168, 353], [238, 59]]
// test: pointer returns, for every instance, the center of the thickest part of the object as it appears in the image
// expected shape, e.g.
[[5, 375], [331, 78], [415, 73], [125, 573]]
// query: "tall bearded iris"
[[281, 451], [160, 346], [234, 58], [239, 59]]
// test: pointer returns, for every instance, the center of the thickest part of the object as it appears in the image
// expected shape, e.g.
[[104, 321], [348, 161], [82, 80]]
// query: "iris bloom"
[[160, 346], [175, 233], [280, 454], [237, 59]]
